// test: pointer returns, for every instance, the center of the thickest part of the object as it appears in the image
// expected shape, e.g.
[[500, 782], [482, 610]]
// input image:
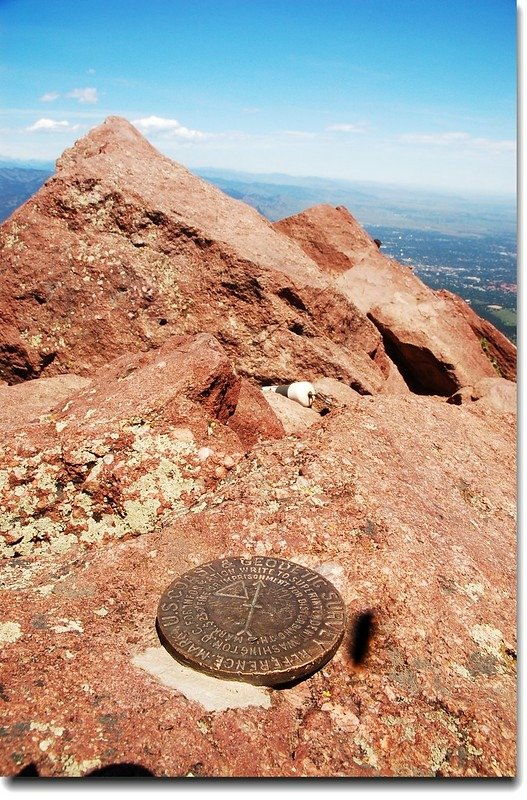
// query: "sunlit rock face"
[[141, 313], [438, 343]]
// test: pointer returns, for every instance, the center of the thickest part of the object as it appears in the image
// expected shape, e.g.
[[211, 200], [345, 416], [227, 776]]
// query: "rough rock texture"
[[126, 450], [132, 248], [31, 401], [152, 306], [330, 236], [494, 393], [405, 503], [500, 351], [432, 344], [294, 417]]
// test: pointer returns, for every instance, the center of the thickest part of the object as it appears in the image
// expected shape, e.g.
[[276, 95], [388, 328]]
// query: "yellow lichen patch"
[[473, 590], [76, 769], [68, 626], [47, 511], [61, 543], [460, 670], [9, 632], [33, 340], [43, 727], [489, 639], [369, 755], [45, 744], [49, 741], [439, 750], [11, 236], [438, 756], [141, 515]]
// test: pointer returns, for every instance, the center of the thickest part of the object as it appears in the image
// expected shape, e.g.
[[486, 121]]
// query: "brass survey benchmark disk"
[[266, 621]]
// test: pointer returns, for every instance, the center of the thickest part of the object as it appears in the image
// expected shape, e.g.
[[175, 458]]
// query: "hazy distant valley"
[[481, 269], [16, 185], [466, 246]]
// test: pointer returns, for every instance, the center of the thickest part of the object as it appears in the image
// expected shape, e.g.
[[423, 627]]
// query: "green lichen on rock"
[[126, 492], [493, 360]]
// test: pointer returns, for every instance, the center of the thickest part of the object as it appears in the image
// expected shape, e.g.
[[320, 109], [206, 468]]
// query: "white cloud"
[[435, 138], [504, 145], [88, 95], [48, 97], [51, 126], [301, 134], [170, 127], [348, 127], [453, 138]]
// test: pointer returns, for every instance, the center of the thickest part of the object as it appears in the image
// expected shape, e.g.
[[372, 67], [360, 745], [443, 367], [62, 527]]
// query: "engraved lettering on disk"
[[266, 621]]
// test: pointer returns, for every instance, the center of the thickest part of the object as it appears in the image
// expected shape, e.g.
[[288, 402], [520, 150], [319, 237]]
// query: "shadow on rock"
[[124, 770]]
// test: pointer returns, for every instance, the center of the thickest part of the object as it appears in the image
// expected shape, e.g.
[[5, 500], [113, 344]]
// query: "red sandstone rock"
[[123, 248], [294, 417], [332, 394], [133, 248], [123, 452], [497, 394], [500, 351], [252, 419], [168, 456], [32, 400], [405, 503], [330, 236], [432, 344]]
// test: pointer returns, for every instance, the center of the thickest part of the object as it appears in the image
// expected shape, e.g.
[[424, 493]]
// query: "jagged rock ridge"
[[133, 248], [164, 454], [435, 342]]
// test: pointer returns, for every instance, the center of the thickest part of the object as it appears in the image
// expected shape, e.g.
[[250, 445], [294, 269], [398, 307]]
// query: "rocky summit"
[[141, 313]]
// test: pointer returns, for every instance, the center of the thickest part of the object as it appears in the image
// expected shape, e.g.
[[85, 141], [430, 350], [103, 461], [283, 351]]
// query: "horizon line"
[[45, 164]]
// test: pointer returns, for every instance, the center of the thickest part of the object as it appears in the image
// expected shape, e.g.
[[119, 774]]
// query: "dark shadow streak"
[[125, 770], [361, 636]]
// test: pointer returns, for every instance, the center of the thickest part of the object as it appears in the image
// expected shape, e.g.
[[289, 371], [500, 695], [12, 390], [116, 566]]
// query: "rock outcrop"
[[436, 347], [405, 503], [109, 457], [133, 249], [141, 312], [495, 393], [500, 351], [330, 236]]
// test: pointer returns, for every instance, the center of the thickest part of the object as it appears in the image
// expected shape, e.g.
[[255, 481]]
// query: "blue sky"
[[417, 92]]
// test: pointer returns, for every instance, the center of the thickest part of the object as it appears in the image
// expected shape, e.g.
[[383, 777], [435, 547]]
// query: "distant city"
[[467, 246], [480, 269]]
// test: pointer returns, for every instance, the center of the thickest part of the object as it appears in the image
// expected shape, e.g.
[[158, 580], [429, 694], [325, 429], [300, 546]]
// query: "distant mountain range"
[[17, 184], [277, 196]]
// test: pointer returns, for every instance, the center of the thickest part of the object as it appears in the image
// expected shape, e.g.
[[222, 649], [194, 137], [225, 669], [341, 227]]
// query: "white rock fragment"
[[213, 694], [204, 453], [68, 626]]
